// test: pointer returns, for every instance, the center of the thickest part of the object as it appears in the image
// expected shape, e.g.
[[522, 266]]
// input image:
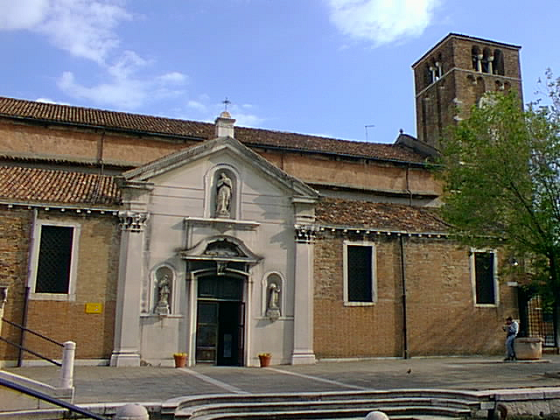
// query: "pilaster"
[[303, 295], [127, 323]]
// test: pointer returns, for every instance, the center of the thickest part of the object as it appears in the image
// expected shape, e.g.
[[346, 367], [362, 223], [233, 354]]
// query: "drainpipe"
[[403, 276], [408, 185], [27, 289]]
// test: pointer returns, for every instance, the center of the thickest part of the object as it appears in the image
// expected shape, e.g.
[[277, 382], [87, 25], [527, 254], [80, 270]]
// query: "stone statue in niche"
[[164, 290], [273, 306], [224, 188]]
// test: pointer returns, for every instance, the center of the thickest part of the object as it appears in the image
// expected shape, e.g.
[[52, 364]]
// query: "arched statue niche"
[[273, 292], [224, 195], [222, 190], [163, 290]]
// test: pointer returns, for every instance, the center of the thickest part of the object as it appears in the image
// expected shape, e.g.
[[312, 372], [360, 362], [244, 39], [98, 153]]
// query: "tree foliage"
[[501, 171]]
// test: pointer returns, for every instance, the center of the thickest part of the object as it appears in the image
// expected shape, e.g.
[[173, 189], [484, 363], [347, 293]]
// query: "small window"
[[359, 273], [483, 269], [54, 260]]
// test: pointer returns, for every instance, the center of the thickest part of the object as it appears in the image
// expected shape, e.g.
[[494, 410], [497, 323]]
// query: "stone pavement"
[[95, 384]]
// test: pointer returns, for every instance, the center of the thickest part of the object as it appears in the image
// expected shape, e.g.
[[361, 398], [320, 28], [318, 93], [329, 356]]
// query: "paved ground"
[[154, 384]]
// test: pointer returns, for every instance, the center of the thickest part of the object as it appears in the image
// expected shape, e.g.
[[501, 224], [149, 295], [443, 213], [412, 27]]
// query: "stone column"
[[127, 320], [303, 299]]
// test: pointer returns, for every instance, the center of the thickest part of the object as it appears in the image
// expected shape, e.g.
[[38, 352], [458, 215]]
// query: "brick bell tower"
[[452, 76]]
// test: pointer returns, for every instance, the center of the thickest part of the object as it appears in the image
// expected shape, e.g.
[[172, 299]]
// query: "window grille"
[[484, 277], [55, 255], [359, 273]]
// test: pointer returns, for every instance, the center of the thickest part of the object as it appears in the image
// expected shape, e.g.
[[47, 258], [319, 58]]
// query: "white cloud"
[[382, 21], [126, 65], [173, 77], [87, 29], [248, 120], [125, 90], [123, 93], [84, 28], [49, 101], [204, 109], [197, 106], [22, 14], [243, 118]]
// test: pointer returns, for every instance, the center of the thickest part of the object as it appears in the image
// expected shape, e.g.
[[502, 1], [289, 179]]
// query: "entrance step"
[[403, 404]]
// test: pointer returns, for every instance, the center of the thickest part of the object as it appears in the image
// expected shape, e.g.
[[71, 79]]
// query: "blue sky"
[[326, 67]]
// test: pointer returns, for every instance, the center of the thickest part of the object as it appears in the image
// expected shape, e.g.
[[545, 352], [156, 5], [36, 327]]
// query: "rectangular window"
[[53, 253], [359, 273], [483, 272]]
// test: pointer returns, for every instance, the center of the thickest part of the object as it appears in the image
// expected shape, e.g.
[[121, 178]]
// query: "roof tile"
[[47, 186], [384, 216], [65, 114]]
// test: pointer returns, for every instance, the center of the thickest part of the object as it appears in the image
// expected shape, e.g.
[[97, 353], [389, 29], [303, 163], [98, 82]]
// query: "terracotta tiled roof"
[[384, 216], [47, 186], [17, 108]]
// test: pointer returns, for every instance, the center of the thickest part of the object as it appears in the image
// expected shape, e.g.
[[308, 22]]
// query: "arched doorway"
[[219, 267], [220, 326]]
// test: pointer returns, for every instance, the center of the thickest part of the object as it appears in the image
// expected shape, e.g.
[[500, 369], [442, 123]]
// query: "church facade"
[[139, 237]]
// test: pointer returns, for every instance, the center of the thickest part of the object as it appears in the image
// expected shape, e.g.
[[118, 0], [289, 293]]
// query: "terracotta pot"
[[265, 359], [180, 360]]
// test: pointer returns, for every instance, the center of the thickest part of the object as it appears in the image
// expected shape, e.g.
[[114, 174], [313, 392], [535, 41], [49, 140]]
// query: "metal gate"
[[539, 321]]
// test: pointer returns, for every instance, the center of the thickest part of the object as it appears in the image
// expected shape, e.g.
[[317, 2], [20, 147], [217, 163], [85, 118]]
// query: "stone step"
[[330, 404], [180, 403], [39, 414], [408, 412]]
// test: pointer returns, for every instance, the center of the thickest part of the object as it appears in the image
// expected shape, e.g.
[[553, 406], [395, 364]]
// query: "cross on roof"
[[226, 102]]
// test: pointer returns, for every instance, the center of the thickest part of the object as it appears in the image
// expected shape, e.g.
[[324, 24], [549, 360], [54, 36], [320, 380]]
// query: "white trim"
[[34, 258], [372, 245], [472, 269]]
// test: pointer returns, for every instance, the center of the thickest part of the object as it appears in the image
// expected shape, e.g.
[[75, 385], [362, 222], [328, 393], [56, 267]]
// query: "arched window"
[[475, 58], [498, 62], [439, 67], [428, 75], [487, 61]]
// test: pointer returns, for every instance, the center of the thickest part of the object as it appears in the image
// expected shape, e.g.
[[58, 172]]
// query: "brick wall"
[[437, 104], [14, 251], [97, 273], [441, 316], [83, 143]]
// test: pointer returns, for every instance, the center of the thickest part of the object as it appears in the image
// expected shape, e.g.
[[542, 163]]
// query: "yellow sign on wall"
[[94, 308]]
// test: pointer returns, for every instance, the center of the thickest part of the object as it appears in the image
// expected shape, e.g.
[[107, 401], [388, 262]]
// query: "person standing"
[[511, 328]]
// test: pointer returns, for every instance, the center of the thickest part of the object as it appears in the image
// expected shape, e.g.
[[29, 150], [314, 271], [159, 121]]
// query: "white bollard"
[[131, 412], [67, 370], [377, 415]]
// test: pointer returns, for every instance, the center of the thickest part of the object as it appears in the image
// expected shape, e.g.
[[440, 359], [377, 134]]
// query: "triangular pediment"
[[210, 148]]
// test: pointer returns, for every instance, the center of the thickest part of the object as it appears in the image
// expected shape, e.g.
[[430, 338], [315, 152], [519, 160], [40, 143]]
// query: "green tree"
[[501, 171]]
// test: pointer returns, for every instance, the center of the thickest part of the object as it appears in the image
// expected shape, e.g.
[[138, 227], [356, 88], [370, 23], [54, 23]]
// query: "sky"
[[337, 68]]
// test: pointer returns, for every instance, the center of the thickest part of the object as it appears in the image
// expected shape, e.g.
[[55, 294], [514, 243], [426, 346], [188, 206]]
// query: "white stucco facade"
[[221, 284]]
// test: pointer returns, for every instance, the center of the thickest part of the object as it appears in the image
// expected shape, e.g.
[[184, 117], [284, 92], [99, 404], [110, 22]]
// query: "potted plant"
[[264, 358], [180, 359]]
